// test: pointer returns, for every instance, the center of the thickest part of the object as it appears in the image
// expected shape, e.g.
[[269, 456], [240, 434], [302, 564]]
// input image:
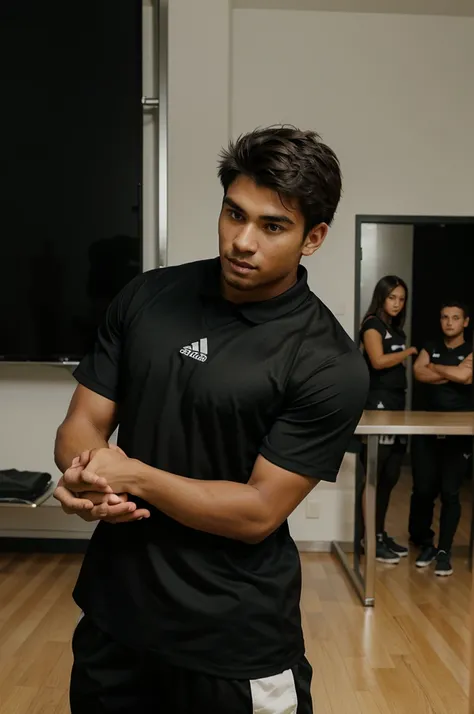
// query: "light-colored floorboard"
[[407, 655]]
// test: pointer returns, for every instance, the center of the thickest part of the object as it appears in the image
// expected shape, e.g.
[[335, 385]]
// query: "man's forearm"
[[454, 374], [428, 376], [225, 508], [74, 436]]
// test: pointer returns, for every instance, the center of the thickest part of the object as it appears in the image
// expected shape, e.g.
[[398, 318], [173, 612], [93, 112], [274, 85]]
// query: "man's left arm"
[[246, 512], [306, 444], [461, 374]]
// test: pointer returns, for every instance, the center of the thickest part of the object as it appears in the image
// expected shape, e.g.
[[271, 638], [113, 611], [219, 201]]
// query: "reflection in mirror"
[[414, 298]]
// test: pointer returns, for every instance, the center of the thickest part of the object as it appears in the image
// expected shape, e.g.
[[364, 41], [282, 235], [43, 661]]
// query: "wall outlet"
[[312, 509]]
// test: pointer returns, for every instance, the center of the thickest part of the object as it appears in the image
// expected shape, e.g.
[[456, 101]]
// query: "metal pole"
[[162, 130], [471, 534], [370, 526], [364, 584], [471, 658], [354, 576], [471, 546]]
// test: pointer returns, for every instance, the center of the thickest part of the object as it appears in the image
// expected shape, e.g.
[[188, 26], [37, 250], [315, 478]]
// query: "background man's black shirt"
[[203, 387], [387, 386], [449, 397]]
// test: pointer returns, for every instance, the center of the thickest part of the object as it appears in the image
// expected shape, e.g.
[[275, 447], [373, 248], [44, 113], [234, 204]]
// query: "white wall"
[[394, 96], [33, 401], [462, 8], [198, 119]]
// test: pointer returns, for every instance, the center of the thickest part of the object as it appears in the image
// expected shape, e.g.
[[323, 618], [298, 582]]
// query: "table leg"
[[471, 658], [471, 545], [355, 577], [370, 527], [471, 534], [364, 585], [358, 518]]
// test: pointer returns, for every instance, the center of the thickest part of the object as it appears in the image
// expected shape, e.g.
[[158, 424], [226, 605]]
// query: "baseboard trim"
[[313, 546], [43, 545], [79, 545]]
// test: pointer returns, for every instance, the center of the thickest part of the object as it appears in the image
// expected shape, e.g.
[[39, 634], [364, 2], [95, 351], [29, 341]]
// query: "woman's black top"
[[387, 386]]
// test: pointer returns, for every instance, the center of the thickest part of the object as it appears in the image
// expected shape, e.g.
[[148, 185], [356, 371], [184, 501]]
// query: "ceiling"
[[457, 8]]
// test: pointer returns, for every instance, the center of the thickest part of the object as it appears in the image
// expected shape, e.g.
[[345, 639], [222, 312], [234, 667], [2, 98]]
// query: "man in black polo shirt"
[[235, 391], [440, 464]]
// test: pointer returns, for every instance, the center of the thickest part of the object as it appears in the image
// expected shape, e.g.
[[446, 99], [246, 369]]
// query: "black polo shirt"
[[204, 386], [449, 397], [387, 386]]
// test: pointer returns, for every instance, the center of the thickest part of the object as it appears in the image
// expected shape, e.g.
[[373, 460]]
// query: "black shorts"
[[109, 678]]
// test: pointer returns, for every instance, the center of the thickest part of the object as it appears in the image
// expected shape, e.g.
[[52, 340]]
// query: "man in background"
[[441, 463]]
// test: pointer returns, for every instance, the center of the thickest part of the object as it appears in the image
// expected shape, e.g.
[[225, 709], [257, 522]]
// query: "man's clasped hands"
[[95, 487]]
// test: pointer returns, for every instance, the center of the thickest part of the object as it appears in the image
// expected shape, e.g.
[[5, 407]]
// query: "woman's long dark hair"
[[382, 290]]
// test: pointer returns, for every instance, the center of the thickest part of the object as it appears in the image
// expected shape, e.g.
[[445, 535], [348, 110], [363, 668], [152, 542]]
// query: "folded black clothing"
[[23, 485]]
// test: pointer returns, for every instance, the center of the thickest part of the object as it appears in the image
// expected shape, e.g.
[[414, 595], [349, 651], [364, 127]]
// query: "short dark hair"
[[382, 290], [294, 163], [456, 303]]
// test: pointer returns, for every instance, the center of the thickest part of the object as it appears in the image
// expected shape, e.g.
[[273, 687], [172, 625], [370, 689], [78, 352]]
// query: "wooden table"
[[373, 425]]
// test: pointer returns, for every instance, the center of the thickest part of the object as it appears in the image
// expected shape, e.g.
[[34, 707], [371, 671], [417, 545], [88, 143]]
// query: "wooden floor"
[[407, 656]]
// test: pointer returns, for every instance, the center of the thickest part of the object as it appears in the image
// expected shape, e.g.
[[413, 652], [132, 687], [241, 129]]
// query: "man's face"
[[453, 321], [261, 241]]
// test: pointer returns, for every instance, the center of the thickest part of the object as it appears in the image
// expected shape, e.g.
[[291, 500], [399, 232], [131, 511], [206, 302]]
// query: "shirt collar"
[[265, 310]]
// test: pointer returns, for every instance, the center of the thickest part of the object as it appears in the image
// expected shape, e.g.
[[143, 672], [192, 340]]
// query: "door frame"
[[391, 220], [407, 221]]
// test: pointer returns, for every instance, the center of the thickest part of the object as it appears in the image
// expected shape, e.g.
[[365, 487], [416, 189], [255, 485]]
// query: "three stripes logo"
[[196, 350]]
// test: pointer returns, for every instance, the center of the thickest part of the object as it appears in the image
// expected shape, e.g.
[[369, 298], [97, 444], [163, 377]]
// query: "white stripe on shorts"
[[274, 695]]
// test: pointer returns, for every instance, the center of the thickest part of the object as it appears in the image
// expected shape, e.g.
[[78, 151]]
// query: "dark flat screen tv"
[[71, 151]]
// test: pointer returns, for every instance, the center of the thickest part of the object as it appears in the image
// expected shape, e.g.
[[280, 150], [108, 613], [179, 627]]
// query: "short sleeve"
[[99, 369], [372, 323], [316, 427], [430, 348]]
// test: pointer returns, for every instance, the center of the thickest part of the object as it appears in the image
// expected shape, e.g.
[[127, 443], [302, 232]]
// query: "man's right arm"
[[92, 416], [90, 422], [373, 345], [422, 371]]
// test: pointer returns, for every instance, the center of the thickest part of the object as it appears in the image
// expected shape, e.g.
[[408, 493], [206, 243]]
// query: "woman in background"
[[383, 342]]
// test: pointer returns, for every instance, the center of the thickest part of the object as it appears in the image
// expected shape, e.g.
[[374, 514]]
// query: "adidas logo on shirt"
[[388, 336], [196, 350]]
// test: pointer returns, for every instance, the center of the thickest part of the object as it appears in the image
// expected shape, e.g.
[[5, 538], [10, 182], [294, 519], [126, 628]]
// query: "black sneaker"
[[443, 564], [426, 557], [383, 553], [395, 547]]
